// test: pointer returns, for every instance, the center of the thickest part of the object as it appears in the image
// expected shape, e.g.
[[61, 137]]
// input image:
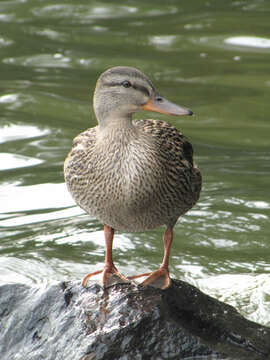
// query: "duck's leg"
[[160, 278], [110, 275]]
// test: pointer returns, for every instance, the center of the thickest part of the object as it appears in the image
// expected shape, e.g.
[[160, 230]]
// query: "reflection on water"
[[249, 41], [15, 161], [203, 56], [13, 132]]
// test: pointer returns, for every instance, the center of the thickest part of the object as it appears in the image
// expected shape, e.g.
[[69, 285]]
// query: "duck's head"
[[122, 91]]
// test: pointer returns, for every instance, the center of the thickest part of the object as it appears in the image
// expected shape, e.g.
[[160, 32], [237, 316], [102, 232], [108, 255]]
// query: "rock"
[[66, 321]]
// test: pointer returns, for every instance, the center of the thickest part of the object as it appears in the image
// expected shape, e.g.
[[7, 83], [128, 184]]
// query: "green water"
[[211, 56]]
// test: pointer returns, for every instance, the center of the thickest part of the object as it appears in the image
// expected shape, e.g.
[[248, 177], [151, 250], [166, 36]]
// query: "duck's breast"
[[131, 180]]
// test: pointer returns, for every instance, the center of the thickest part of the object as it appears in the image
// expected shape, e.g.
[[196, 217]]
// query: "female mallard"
[[133, 175]]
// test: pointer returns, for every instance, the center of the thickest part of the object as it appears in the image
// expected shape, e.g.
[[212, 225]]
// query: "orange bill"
[[161, 105]]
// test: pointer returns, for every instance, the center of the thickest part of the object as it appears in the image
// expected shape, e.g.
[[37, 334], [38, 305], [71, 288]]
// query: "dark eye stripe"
[[111, 83], [135, 86], [141, 88]]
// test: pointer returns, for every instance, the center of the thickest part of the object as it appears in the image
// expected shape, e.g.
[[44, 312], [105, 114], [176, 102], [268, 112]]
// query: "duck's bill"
[[161, 105]]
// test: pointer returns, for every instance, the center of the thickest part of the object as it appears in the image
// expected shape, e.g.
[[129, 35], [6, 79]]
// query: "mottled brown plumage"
[[132, 175]]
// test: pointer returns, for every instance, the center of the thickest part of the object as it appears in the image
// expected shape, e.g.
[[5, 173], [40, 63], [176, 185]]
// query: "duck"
[[133, 175]]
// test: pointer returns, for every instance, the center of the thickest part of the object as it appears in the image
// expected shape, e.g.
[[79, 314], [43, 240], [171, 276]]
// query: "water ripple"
[[248, 293], [5, 42], [15, 161], [33, 197], [91, 12], [41, 60], [249, 41], [13, 132]]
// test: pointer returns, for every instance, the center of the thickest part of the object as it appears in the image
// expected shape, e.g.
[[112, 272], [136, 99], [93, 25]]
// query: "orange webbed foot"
[[158, 279], [110, 276]]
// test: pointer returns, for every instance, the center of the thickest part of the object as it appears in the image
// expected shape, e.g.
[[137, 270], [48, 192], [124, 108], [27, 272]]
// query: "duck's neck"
[[114, 120], [116, 129]]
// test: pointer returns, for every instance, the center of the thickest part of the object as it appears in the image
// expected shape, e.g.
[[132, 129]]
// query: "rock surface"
[[66, 321]]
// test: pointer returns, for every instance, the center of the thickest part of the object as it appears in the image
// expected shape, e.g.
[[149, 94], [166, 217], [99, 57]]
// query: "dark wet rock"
[[66, 321]]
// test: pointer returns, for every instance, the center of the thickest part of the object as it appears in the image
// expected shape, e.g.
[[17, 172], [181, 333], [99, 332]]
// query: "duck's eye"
[[126, 84]]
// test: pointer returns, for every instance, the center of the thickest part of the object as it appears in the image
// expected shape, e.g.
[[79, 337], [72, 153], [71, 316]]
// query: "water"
[[212, 57]]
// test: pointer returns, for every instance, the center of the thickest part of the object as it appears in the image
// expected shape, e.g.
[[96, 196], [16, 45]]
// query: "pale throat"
[[113, 119]]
